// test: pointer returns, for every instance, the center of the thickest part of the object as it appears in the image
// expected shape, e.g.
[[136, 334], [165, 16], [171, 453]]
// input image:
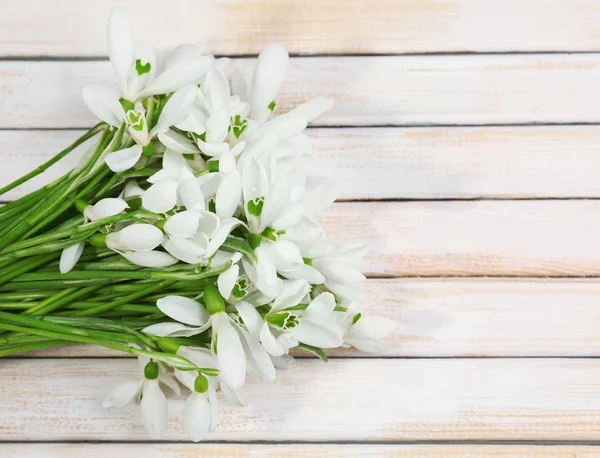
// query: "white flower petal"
[[268, 76], [195, 121], [183, 250], [218, 89], [229, 195], [341, 273], [179, 74], [221, 234], [209, 223], [372, 328], [149, 258], [232, 396], [154, 409], [269, 342], [250, 317], [292, 294], [320, 308], [183, 224], [106, 207], [184, 310], [316, 334], [217, 126], [209, 183], [259, 355], [136, 237], [177, 142], [160, 197], [175, 110], [124, 159], [302, 271], [164, 329], [184, 52], [169, 381], [227, 280], [103, 103], [213, 149], [190, 194], [70, 256], [230, 353], [120, 44], [314, 108], [196, 416], [173, 161], [123, 394]]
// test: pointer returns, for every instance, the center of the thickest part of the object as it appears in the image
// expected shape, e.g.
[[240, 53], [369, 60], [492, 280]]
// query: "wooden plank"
[[470, 317], [71, 28], [501, 238], [534, 238], [417, 90], [393, 163], [452, 399], [295, 451]]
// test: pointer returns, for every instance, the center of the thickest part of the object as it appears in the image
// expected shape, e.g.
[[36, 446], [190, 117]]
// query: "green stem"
[[92, 132]]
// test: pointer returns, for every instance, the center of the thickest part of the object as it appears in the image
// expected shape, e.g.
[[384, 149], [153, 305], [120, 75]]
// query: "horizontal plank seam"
[[417, 125], [341, 358], [101, 58], [499, 442]]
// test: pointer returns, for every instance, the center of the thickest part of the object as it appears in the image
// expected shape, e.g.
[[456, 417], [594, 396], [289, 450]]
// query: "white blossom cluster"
[[225, 182]]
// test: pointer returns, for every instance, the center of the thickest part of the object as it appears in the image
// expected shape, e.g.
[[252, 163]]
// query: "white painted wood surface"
[[73, 28], [381, 90], [475, 142], [345, 400], [398, 163], [297, 451]]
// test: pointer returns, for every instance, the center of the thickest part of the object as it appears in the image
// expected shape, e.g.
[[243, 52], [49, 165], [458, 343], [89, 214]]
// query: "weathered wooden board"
[[391, 90], [295, 451], [72, 28], [391, 163], [355, 400], [501, 238], [468, 317]]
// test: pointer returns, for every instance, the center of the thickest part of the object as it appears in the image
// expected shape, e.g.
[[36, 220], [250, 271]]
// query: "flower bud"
[[98, 240], [213, 300], [201, 384], [168, 345], [151, 371]]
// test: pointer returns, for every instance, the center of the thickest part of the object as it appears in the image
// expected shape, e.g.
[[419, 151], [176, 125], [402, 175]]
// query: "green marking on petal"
[[356, 317], [272, 105], [255, 206], [141, 69]]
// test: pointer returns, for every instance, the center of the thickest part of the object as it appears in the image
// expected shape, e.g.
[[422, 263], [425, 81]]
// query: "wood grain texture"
[[417, 90], [469, 317], [377, 399], [397, 163], [71, 28], [294, 451], [500, 238]]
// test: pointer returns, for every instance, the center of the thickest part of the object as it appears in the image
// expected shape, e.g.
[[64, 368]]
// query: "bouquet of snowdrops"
[[186, 236]]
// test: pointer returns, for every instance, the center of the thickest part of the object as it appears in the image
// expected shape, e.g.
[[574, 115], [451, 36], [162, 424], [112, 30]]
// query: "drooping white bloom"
[[147, 391]]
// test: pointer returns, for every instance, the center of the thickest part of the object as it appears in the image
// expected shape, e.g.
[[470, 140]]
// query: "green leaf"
[[126, 104], [315, 350], [241, 246]]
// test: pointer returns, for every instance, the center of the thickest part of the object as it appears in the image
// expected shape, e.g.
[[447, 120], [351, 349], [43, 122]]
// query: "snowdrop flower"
[[102, 209], [201, 411], [365, 332], [147, 391], [173, 111], [225, 342], [137, 73], [137, 242]]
